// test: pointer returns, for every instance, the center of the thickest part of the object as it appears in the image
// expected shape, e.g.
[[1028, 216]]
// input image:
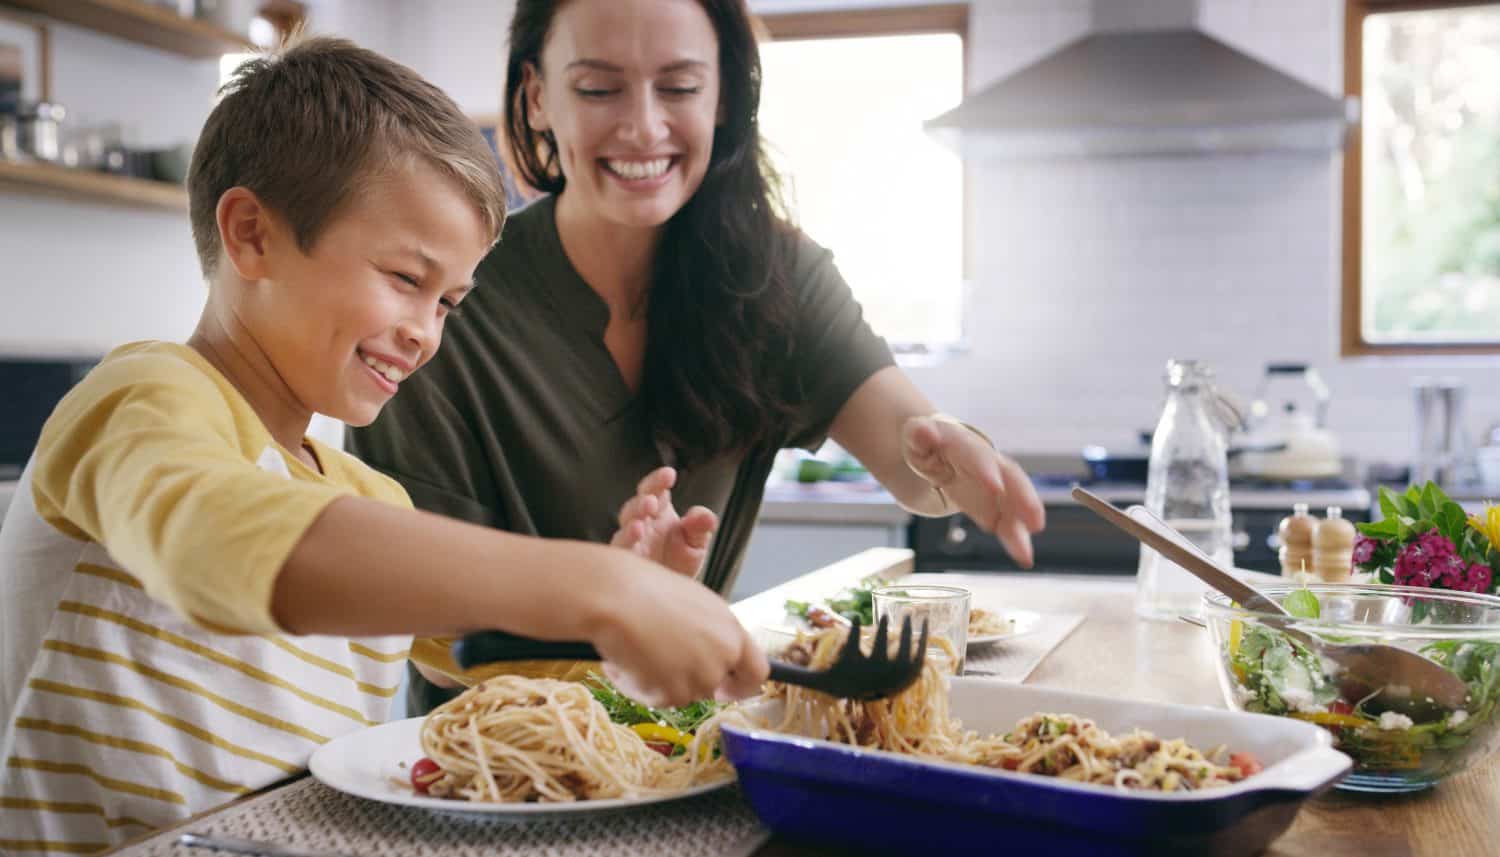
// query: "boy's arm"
[[416, 572], [370, 568]]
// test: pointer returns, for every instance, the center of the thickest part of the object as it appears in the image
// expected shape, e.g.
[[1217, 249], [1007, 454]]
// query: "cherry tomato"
[[821, 617], [424, 772], [1246, 762], [661, 747]]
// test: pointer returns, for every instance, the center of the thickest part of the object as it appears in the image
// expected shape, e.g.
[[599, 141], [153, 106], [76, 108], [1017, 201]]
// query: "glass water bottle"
[[1187, 485]]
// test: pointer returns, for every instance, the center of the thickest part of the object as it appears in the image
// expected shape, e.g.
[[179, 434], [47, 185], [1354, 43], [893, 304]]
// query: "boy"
[[176, 531]]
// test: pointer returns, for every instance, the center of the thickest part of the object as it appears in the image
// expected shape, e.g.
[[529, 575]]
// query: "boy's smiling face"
[[344, 324]]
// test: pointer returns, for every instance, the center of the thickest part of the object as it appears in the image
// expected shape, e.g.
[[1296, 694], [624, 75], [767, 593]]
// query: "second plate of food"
[[987, 627]]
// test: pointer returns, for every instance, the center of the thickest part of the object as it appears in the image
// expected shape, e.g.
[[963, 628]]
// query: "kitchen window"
[[1422, 181], [842, 105]]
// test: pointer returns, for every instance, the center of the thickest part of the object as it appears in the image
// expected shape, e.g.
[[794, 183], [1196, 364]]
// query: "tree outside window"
[[1427, 272]]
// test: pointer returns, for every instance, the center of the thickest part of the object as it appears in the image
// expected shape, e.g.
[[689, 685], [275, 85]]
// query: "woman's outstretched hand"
[[976, 480], [651, 527]]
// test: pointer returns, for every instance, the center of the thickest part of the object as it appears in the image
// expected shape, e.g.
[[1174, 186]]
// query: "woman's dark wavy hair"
[[720, 309]]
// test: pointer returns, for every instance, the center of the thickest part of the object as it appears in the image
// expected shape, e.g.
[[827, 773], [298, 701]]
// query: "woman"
[[657, 310]]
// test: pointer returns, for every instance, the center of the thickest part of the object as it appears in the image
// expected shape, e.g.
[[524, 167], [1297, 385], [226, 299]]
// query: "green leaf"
[[1389, 506], [1303, 604], [1432, 500], [1410, 501], [1389, 528], [1413, 494], [1440, 497], [1453, 523], [1419, 610]]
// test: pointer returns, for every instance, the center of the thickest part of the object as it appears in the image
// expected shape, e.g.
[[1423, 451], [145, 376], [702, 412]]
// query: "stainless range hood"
[[1145, 86]]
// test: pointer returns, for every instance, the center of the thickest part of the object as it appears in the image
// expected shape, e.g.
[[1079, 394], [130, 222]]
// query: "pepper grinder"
[[1296, 532], [1333, 547]]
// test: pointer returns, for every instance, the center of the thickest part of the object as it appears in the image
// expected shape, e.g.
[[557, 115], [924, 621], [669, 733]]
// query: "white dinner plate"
[[1021, 622], [375, 763]]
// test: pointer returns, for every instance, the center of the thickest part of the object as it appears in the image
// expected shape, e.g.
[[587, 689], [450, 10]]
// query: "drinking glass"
[[944, 608]]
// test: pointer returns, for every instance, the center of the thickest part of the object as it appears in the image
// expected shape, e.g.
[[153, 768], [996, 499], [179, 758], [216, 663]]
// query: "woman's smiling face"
[[629, 90]]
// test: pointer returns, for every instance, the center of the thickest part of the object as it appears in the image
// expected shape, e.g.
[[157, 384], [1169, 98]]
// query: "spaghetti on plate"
[[527, 739]]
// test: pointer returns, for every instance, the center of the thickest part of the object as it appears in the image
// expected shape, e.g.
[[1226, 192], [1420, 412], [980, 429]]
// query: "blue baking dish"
[[815, 791]]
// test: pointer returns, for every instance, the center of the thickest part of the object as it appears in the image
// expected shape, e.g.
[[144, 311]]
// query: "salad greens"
[[628, 712], [1476, 664], [1279, 675], [855, 604]]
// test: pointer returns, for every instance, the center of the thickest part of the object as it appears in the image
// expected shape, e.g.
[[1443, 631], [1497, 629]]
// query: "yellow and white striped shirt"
[[143, 678]]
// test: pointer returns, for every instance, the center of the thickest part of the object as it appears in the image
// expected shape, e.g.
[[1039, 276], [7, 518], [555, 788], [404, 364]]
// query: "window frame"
[[1353, 342], [894, 21]]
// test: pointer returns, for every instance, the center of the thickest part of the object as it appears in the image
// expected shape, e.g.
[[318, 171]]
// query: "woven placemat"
[[1015, 658], [310, 816]]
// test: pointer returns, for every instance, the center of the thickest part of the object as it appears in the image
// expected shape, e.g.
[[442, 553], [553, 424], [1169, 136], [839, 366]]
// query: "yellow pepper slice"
[[658, 732], [1329, 718]]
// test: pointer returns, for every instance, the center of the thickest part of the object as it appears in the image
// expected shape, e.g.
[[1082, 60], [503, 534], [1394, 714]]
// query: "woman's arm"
[[934, 465]]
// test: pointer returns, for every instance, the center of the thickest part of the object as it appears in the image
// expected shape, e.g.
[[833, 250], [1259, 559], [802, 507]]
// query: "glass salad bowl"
[[1263, 670]]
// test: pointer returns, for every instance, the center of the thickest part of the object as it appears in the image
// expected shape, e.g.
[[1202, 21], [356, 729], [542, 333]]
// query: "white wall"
[[457, 44], [462, 49]]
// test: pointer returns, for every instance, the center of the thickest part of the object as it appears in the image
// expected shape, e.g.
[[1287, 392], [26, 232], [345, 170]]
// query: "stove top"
[[1244, 492], [1247, 483]]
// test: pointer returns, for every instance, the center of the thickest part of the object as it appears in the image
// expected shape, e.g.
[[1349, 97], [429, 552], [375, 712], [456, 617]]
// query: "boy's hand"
[[670, 640], [651, 527]]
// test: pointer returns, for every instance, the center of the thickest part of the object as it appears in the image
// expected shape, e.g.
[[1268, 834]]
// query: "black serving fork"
[[853, 675]]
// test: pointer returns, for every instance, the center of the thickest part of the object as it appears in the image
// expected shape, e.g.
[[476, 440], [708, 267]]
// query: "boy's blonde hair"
[[307, 127]]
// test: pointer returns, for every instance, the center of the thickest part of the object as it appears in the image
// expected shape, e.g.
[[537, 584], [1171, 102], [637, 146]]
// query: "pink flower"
[[1479, 578], [1427, 560], [1451, 570], [1364, 548]]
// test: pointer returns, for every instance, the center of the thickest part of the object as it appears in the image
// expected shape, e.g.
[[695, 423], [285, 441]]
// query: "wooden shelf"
[[50, 180], [142, 22]]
